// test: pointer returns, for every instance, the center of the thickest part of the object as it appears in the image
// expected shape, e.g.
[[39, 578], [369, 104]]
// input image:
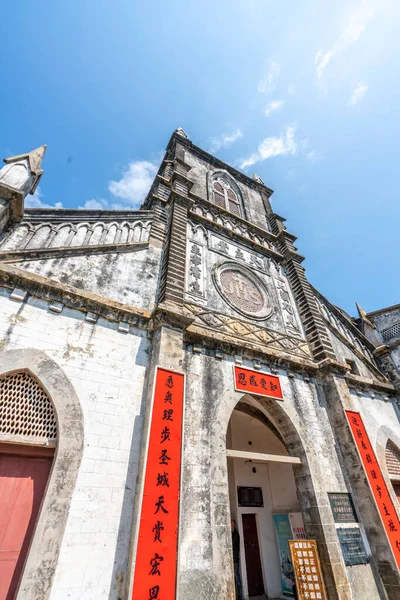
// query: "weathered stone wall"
[[303, 421], [252, 199], [107, 369]]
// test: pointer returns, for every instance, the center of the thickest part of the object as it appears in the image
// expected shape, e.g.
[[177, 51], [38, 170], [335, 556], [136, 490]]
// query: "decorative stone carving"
[[27, 235], [250, 332], [233, 251], [242, 290], [237, 225], [288, 312]]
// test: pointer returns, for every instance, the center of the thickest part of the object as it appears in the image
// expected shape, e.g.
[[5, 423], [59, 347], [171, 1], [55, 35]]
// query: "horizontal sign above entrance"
[[255, 382]]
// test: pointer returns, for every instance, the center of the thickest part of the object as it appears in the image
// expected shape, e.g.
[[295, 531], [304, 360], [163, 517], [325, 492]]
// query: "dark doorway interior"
[[255, 582]]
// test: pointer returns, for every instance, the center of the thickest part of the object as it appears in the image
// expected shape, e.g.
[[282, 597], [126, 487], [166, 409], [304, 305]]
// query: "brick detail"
[[174, 262], [159, 223], [313, 324], [314, 327], [392, 454]]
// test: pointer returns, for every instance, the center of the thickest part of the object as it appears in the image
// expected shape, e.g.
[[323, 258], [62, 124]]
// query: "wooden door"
[[22, 484], [255, 581]]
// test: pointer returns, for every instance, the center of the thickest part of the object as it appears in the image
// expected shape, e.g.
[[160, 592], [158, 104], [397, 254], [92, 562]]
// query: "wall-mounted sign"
[[156, 554], [307, 568], [376, 482], [250, 496], [297, 526], [284, 534], [342, 508], [256, 382], [352, 545]]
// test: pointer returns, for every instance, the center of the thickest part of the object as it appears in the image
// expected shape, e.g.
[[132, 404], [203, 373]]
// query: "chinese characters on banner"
[[255, 382], [305, 559], [377, 484], [156, 554]]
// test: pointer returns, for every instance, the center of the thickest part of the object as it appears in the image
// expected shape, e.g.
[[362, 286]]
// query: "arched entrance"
[[263, 501], [41, 445], [28, 434]]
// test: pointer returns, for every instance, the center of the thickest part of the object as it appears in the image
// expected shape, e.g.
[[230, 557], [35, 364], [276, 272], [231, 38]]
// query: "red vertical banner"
[[157, 548], [376, 481]]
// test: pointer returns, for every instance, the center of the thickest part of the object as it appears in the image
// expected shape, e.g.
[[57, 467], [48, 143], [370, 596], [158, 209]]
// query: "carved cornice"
[[245, 334], [65, 251]]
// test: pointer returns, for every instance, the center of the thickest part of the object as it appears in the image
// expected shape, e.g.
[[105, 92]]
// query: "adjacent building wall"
[[107, 369]]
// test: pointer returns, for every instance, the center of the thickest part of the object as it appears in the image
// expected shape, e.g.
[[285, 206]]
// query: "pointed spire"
[[181, 132], [258, 178], [34, 158], [361, 312]]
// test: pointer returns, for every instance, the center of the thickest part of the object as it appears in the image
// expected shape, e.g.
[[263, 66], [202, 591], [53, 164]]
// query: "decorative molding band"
[[65, 251]]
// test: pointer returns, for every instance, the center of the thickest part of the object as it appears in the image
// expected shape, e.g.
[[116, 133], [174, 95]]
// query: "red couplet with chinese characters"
[[156, 555], [376, 481], [254, 382]]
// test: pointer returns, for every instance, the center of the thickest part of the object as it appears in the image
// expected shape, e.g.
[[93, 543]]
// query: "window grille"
[[391, 332], [393, 460], [25, 409], [250, 496]]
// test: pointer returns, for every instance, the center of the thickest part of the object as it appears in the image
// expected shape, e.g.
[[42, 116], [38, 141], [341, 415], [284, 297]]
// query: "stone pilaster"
[[313, 324]]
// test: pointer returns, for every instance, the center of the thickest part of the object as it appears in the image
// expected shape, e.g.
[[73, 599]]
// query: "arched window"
[[28, 438], [225, 197], [392, 454]]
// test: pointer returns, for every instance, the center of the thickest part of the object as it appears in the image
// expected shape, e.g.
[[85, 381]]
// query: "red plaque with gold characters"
[[156, 555], [376, 482], [307, 569], [256, 382]]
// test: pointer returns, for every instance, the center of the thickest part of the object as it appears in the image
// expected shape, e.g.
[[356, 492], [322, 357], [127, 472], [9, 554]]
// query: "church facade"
[[168, 369]]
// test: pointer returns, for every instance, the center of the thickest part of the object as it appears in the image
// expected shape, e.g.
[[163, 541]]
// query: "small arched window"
[[225, 197], [393, 466]]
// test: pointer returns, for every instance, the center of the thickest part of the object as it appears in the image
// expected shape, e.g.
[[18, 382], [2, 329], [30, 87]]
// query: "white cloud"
[[95, 205], [225, 140], [135, 182], [274, 105], [321, 61], [35, 201], [313, 156], [273, 146], [351, 32], [358, 93], [267, 83]]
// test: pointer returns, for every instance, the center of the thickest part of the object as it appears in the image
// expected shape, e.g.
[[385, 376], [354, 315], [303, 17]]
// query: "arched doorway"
[[28, 437], [59, 441], [263, 501]]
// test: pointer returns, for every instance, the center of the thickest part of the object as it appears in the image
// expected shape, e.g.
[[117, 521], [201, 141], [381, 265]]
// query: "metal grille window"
[[391, 332], [393, 460], [26, 410], [250, 496], [225, 197]]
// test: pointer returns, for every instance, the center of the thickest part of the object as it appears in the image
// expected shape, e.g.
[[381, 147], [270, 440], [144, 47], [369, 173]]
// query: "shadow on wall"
[[121, 567]]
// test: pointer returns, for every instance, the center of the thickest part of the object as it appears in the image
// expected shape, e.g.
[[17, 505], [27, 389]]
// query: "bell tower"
[[19, 177]]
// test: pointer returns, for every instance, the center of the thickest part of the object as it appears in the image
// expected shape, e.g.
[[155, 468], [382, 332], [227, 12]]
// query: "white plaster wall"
[[343, 352], [107, 369], [279, 493], [376, 413], [130, 278]]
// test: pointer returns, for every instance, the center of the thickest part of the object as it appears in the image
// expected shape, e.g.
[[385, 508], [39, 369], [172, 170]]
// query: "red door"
[[255, 580], [22, 484]]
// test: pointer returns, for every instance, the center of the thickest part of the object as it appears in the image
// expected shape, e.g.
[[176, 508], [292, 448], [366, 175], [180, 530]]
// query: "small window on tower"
[[225, 197], [353, 366]]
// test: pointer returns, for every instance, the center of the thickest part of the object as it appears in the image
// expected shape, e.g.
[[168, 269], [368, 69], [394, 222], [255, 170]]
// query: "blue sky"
[[305, 94]]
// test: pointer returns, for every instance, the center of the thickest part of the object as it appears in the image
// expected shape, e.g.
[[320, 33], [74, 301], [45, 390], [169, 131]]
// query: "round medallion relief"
[[242, 290]]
